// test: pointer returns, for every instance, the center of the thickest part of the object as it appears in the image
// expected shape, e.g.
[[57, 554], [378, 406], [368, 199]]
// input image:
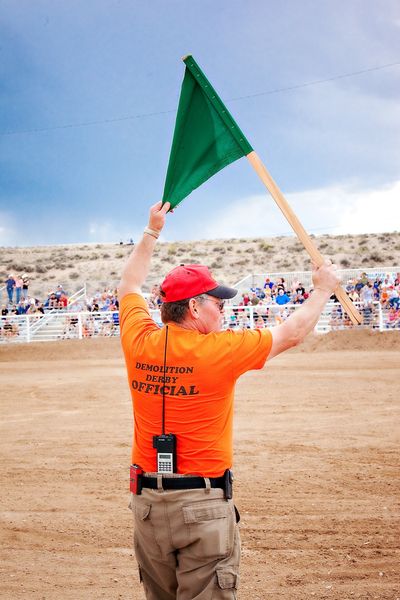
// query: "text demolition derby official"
[[182, 378]]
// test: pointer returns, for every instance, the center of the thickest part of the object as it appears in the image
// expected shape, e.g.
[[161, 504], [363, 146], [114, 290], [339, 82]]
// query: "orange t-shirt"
[[201, 371]]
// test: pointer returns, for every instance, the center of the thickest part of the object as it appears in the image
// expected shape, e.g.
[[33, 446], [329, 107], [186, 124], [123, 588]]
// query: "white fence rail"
[[68, 325]]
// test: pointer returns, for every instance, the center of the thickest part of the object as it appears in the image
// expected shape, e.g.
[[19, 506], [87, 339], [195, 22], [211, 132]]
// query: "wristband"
[[152, 232]]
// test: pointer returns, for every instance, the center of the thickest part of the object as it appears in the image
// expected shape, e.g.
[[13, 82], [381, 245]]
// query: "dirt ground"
[[316, 467]]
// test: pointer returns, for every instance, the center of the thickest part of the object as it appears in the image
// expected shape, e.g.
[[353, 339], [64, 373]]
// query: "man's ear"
[[194, 313]]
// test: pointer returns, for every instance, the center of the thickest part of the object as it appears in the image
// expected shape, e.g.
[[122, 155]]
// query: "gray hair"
[[177, 311]]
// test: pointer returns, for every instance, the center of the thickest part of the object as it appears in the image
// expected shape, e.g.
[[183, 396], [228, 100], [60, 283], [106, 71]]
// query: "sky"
[[88, 98]]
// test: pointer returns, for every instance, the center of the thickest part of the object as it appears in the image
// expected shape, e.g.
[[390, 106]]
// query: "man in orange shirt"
[[182, 379]]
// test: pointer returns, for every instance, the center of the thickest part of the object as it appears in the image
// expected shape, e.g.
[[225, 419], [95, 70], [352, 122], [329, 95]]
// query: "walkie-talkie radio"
[[165, 444]]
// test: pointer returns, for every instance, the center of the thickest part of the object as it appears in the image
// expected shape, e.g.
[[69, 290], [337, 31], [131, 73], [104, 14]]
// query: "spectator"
[[281, 284], [268, 284], [25, 285], [18, 288], [300, 289], [393, 296], [254, 300], [282, 298], [367, 294], [393, 318], [62, 301], [354, 295], [10, 284], [60, 291]]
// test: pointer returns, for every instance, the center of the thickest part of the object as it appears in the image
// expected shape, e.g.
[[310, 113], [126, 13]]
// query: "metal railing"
[[52, 313], [255, 280], [78, 325]]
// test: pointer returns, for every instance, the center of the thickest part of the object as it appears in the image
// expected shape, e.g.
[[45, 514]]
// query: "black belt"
[[189, 483], [183, 483]]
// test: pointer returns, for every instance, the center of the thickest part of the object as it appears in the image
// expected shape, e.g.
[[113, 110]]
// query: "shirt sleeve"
[[250, 349], [134, 319]]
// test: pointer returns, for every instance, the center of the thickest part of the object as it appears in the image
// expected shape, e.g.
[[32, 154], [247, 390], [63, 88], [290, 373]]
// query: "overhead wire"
[[165, 112]]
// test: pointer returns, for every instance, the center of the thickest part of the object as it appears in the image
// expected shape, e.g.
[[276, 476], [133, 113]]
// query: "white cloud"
[[334, 210], [8, 231], [372, 211]]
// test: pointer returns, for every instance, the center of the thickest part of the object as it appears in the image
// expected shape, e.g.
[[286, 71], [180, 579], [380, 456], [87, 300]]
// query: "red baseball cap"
[[188, 281]]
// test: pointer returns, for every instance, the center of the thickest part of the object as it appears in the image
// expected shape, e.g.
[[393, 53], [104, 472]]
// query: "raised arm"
[[138, 264], [303, 320]]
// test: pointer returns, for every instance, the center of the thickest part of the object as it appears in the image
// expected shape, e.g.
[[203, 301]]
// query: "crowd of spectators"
[[272, 303], [362, 289]]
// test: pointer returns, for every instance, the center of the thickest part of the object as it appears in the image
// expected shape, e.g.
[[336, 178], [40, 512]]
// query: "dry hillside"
[[230, 260]]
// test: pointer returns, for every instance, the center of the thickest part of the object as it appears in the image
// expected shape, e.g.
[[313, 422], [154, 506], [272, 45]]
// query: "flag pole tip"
[[186, 57]]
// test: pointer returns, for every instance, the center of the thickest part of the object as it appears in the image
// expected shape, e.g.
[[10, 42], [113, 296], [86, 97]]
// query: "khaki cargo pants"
[[187, 544]]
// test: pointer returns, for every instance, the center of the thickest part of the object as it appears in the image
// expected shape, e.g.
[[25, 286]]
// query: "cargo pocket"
[[144, 532], [227, 584], [211, 528]]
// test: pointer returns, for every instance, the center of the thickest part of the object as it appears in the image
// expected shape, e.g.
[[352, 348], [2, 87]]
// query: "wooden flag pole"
[[298, 228]]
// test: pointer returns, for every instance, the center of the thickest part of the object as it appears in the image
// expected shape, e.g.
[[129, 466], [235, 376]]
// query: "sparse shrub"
[[362, 242], [74, 275], [284, 265], [119, 255], [264, 246], [215, 264], [345, 263], [105, 255], [41, 269], [375, 257], [17, 267]]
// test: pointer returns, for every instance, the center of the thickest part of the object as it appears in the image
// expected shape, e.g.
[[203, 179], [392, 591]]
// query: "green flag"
[[206, 137]]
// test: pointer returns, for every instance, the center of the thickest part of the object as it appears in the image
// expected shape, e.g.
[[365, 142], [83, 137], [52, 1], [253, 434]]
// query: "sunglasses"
[[220, 303]]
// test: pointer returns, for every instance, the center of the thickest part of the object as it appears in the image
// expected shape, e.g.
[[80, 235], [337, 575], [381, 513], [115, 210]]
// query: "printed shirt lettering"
[[198, 384]]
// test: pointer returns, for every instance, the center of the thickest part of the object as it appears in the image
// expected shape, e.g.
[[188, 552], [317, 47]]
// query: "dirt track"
[[316, 467]]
